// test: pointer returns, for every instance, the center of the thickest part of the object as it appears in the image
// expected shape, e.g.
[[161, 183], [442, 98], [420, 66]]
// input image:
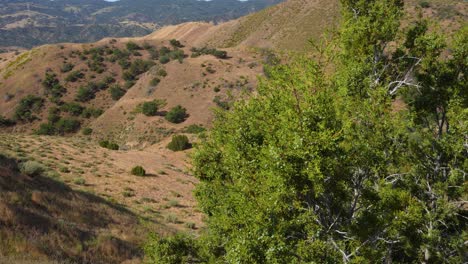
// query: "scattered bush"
[[52, 85], [194, 129], [26, 108], [85, 94], [221, 103], [72, 108], [87, 131], [155, 81], [74, 76], [46, 129], [424, 4], [31, 168], [66, 67], [92, 112], [67, 125], [149, 108], [132, 46], [5, 122], [138, 67], [220, 54], [164, 59], [138, 171], [108, 145], [177, 115], [175, 43], [79, 181], [162, 73], [116, 92], [179, 143], [54, 115]]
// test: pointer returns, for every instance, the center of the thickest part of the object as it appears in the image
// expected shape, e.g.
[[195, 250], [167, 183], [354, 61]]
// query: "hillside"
[[32, 23], [290, 25]]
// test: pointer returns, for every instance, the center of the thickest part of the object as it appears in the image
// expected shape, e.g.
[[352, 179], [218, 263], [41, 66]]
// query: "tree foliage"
[[324, 167]]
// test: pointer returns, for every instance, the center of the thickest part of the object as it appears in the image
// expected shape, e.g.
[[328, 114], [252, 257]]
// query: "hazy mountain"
[[29, 23]]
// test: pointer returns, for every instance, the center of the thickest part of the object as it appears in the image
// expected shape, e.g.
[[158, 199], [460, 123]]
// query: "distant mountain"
[[28, 23]]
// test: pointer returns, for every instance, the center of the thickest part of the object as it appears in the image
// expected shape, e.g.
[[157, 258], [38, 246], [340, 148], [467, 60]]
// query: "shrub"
[[221, 103], [220, 54], [87, 131], [54, 115], [194, 129], [170, 250], [138, 171], [117, 92], [132, 46], [129, 84], [79, 181], [164, 59], [424, 4], [92, 112], [72, 108], [67, 125], [155, 81], [46, 129], [164, 51], [66, 67], [176, 115], [149, 108], [74, 76], [5, 122], [27, 106], [108, 145], [179, 143], [31, 168], [162, 73], [85, 94], [175, 43]]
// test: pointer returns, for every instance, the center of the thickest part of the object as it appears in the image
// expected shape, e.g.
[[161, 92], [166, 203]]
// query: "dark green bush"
[[175, 43], [5, 122], [87, 131], [52, 85], [132, 46], [66, 67], [72, 108], [177, 115], [138, 171], [54, 115], [220, 54], [162, 73], [26, 108], [108, 145], [85, 93], [46, 129], [424, 4], [164, 51], [155, 81], [164, 59], [149, 108], [92, 112], [74, 76], [116, 92], [179, 143], [67, 125]]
